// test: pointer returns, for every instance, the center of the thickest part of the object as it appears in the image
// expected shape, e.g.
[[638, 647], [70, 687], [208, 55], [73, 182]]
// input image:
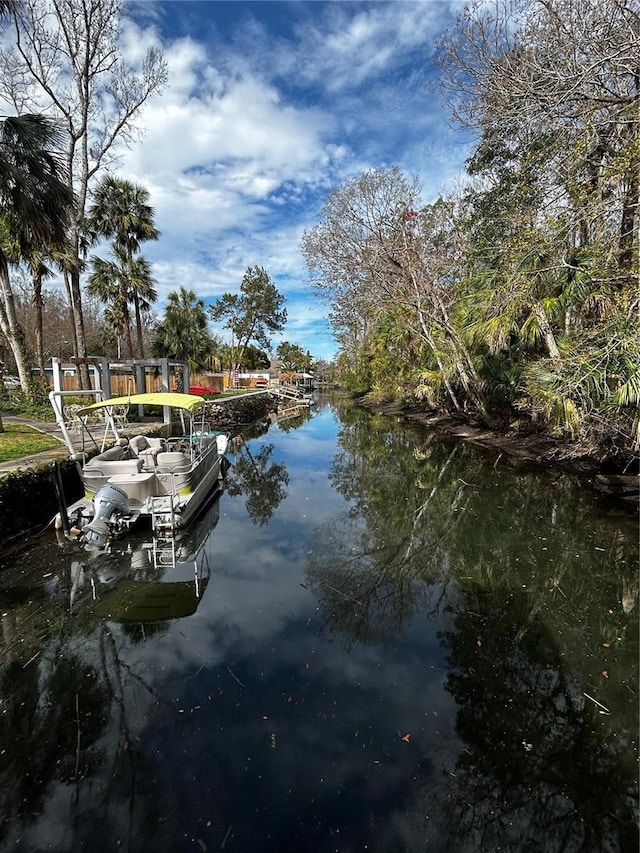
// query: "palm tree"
[[142, 293], [183, 333], [35, 203], [113, 327], [113, 282], [121, 212]]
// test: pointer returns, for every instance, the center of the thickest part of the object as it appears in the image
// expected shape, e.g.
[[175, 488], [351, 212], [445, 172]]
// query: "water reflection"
[[259, 479], [541, 652], [403, 645], [145, 578], [540, 765], [72, 694]]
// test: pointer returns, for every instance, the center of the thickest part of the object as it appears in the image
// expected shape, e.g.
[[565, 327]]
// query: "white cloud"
[[348, 48], [257, 123], [207, 122]]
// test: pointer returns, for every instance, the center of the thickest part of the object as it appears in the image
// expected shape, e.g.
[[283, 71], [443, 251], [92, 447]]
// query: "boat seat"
[[146, 449], [111, 461], [172, 460], [112, 454], [108, 467], [140, 443]]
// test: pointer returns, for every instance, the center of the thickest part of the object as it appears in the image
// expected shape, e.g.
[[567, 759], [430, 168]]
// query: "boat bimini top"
[[187, 402]]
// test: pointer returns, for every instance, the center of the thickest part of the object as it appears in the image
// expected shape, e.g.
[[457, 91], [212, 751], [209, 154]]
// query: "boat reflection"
[[147, 578]]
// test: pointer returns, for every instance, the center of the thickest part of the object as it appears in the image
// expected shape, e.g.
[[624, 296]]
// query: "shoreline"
[[536, 450]]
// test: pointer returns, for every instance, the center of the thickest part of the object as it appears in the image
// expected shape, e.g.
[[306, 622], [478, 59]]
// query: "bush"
[[28, 499], [18, 403]]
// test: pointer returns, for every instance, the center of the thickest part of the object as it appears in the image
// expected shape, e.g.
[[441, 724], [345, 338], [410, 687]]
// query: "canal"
[[375, 639]]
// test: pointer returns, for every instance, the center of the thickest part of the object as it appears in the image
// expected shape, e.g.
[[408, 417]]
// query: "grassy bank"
[[20, 440]]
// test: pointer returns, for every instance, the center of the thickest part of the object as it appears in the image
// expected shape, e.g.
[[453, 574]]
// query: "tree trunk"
[[136, 303], [79, 332], [37, 304], [126, 322], [547, 332], [461, 358], [428, 337], [74, 330], [12, 329]]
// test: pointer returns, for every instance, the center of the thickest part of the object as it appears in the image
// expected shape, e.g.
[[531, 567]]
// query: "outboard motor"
[[110, 503]]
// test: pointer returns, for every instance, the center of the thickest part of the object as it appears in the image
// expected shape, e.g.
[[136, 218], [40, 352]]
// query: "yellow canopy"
[[188, 402]]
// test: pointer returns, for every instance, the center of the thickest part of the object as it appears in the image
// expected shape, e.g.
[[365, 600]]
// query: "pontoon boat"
[[163, 480]]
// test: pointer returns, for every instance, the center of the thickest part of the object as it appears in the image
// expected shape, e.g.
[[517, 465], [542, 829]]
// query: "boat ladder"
[[163, 513]]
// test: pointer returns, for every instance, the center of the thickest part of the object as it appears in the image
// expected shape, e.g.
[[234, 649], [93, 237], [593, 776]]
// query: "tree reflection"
[[542, 594], [66, 731], [71, 697], [51, 721], [259, 479], [386, 558], [540, 769]]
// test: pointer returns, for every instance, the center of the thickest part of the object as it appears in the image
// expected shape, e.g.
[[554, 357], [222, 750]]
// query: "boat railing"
[[194, 445]]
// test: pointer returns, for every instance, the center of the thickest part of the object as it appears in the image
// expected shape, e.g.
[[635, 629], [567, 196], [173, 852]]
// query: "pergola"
[[104, 368]]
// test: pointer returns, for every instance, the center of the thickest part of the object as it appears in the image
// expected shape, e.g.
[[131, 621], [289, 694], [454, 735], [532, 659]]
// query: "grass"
[[19, 440], [235, 392]]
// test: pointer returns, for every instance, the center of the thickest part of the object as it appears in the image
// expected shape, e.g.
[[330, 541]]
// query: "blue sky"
[[268, 107]]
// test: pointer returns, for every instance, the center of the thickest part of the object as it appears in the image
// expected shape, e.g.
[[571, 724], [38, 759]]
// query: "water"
[[394, 643]]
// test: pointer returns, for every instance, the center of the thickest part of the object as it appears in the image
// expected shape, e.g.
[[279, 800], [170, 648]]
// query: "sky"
[[268, 107]]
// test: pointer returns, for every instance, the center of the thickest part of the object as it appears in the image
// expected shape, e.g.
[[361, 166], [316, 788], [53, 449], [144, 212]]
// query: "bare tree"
[[559, 79], [66, 60], [377, 248]]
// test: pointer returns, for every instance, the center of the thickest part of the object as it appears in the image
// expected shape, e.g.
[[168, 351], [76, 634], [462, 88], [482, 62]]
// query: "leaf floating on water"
[[604, 710], [222, 846]]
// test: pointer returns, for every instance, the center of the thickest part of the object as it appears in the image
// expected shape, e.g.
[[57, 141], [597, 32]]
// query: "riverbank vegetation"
[[515, 300]]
